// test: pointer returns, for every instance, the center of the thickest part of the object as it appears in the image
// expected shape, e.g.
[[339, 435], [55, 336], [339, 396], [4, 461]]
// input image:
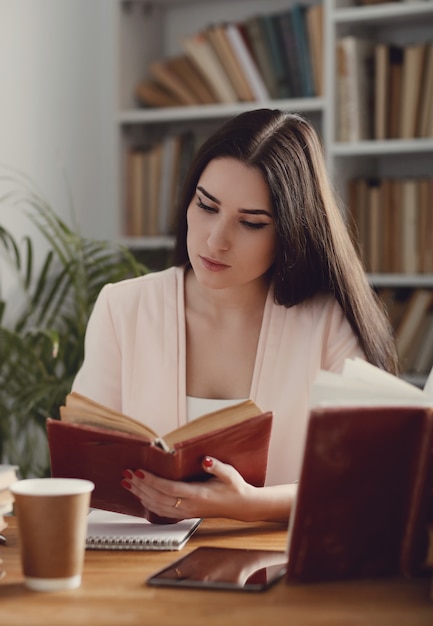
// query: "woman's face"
[[231, 233]]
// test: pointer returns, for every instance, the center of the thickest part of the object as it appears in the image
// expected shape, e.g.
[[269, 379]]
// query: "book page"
[[82, 410], [227, 416], [428, 387], [369, 373], [363, 384]]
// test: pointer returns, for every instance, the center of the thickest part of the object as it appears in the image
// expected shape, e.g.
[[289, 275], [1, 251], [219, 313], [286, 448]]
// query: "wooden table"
[[113, 592]]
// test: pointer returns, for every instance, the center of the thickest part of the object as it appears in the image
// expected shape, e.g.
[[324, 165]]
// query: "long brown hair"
[[315, 253]]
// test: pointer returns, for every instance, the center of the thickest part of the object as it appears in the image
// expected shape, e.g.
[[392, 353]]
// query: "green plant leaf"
[[42, 349]]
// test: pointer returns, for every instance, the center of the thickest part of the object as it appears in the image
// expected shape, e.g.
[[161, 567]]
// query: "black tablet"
[[239, 569]]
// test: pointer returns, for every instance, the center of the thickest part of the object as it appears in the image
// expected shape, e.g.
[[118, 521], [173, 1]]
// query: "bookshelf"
[[397, 22], [149, 31], [400, 24]]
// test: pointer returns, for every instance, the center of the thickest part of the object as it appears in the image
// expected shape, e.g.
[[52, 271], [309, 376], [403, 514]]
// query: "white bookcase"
[[152, 29], [397, 22], [400, 23]]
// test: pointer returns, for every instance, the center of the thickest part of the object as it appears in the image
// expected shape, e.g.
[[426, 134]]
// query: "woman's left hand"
[[225, 494]]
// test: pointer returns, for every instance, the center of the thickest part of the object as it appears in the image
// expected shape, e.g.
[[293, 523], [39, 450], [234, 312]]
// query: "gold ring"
[[177, 503]]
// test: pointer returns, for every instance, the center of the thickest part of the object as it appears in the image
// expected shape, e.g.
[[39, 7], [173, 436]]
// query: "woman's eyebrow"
[[247, 211], [208, 195]]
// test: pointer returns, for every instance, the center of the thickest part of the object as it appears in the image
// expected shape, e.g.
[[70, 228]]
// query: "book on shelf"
[[272, 55], [409, 225], [136, 192], [392, 223], [396, 200], [237, 39], [395, 55], [425, 239], [358, 216], [394, 304], [419, 356], [425, 117], [375, 225], [6, 500], [302, 44], [170, 159], [419, 303], [6, 507], [381, 90], [94, 442], [107, 530], [185, 145], [286, 32], [202, 53], [184, 155], [193, 78], [130, 226], [162, 72], [422, 360], [256, 36], [402, 96], [364, 505], [413, 61], [150, 93], [314, 22], [154, 177], [410, 312], [8, 475], [271, 34], [354, 88], [217, 35]]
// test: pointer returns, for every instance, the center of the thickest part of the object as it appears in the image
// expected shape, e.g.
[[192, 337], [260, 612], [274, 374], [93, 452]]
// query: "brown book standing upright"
[[93, 442], [354, 88], [364, 506], [411, 89]]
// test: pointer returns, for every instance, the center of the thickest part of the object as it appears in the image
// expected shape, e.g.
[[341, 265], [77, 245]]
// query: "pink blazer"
[[135, 359]]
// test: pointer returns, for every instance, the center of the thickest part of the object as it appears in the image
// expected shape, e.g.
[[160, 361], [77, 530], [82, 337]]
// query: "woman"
[[266, 289]]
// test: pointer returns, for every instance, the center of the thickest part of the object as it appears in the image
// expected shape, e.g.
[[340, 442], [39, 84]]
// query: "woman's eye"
[[254, 225], [205, 207]]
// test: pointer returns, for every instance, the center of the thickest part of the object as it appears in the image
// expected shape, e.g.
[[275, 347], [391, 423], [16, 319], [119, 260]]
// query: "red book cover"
[[98, 454]]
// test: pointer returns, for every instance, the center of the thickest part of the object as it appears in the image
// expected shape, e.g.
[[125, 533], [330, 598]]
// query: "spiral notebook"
[[115, 531]]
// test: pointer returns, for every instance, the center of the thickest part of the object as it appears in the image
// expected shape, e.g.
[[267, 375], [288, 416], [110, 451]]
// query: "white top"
[[195, 407]]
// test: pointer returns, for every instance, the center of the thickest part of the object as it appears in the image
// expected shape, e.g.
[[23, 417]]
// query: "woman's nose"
[[219, 237]]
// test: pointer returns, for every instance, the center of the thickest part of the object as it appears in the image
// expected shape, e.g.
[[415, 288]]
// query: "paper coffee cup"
[[52, 523]]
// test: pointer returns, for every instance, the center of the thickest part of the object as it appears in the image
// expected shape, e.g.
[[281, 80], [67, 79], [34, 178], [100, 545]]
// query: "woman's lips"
[[212, 265]]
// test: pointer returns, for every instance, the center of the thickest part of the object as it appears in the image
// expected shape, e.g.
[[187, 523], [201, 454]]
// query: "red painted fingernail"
[[127, 474], [125, 484], [139, 473], [207, 462]]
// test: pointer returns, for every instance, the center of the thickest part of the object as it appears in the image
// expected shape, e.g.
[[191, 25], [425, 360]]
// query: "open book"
[[364, 505], [114, 531], [94, 442]]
